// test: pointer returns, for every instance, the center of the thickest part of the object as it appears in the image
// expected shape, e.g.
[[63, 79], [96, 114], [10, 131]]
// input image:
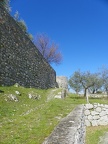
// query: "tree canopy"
[[86, 81]]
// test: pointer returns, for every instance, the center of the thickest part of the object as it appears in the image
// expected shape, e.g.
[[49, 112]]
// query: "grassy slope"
[[29, 121]]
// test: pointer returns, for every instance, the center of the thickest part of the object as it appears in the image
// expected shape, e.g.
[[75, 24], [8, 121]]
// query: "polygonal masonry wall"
[[96, 114], [20, 60]]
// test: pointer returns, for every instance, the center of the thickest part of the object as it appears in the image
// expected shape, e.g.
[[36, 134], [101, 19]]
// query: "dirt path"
[[104, 139], [51, 94]]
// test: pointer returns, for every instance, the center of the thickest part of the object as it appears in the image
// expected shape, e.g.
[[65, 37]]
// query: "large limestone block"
[[98, 109], [90, 117], [87, 123], [107, 111], [94, 123], [94, 113], [96, 117], [95, 106], [89, 106], [102, 122], [87, 112], [106, 106], [103, 113], [104, 118]]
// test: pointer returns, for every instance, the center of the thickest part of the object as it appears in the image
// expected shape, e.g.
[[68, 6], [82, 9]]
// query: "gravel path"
[[51, 95], [104, 139]]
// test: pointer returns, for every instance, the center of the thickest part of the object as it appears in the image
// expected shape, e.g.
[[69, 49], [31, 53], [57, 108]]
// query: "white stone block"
[[99, 104], [98, 109], [102, 105], [95, 106], [107, 111], [58, 96], [106, 106], [87, 112], [96, 117], [102, 123], [94, 113], [90, 117], [103, 113], [103, 109], [94, 123], [17, 92], [104, 118], [87, 123], [89, 106]]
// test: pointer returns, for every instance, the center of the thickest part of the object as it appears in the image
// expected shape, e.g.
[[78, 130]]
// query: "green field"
[[30, 121]]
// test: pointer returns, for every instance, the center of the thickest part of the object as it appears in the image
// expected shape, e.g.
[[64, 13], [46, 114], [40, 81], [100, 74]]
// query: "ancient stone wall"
[[71, 129], [62, 82], [96, 114], [20, 60]]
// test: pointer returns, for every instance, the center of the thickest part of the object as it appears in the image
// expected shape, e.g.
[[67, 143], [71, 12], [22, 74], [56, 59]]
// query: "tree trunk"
[[86, 94], [107, 92], [93, 91]]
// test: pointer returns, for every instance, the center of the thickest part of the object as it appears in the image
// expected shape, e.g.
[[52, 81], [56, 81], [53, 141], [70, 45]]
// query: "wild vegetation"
[[30, 121]]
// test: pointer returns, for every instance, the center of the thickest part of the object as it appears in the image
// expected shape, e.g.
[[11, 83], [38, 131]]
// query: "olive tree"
[[83, 80], [74, 82], [97, 86]]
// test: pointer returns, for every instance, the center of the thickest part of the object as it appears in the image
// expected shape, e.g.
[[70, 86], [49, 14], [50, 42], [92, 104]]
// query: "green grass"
[[93, 134], [30, 121], [18, 127]]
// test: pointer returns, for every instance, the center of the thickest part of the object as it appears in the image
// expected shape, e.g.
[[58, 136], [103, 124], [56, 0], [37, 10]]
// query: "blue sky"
[[79, 27]]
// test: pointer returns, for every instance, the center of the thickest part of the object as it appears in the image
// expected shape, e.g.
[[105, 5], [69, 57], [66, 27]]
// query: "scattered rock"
[[16, 85], [58, 96], [12, 97], [18, 93], [33, 95]]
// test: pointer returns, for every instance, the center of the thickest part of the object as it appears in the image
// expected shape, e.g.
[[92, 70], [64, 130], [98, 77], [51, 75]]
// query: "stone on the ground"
[[18, 93], [33, 95], [12, 97]]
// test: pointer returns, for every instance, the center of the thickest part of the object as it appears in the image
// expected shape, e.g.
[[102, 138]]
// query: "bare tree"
[[48, 49]]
